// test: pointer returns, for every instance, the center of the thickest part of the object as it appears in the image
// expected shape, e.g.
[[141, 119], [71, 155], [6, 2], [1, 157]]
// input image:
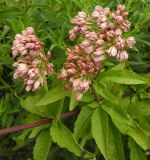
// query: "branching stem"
[[35, 124]]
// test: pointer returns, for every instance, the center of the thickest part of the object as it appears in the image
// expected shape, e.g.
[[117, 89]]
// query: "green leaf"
[[21, 138], [64, 138], [135, 151], [140, 112], [87, 97], [36, 130], [50, 110], [93, 104], [9, 12], [122, 77], [142, 106], [73, 102], [42, 146], [100, 89], [120, 66], [126, 124], [82, 122], [51, 96], [107, 136]]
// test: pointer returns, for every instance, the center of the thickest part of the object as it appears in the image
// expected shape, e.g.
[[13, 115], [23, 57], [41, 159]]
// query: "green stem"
[[97, 98]]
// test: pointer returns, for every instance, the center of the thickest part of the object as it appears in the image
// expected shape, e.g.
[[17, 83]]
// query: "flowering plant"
[[95, 84]]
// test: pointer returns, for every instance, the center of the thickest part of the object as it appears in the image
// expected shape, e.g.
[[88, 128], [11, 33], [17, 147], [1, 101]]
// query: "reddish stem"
[[35, 124]]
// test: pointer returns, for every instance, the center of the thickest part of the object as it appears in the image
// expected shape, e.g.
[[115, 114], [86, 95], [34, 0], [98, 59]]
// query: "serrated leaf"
[[100, 89], [107, 136], [51, 96], [87, 97], [42, 146], [36, 130], [126, 124], [50, 110], [82, 121], [73, 102], [140, 112], [122, 77], [64, 138], [136, 152]]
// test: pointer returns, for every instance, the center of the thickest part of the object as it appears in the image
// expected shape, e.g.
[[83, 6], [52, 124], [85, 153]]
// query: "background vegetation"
[[51, 20]]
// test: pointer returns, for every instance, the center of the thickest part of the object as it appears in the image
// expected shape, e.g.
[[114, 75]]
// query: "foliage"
[[113, 127]]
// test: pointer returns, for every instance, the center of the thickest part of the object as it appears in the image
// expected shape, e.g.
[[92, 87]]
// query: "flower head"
[[32, 65], [101, 35]]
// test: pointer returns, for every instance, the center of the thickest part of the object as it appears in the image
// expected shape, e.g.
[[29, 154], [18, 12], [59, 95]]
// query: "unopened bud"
[[48, 55], [112, 51], [121, 8]]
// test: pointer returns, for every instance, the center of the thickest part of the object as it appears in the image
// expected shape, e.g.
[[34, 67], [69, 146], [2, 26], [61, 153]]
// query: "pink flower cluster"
[[101, 34], [26, 43], [104, 30], [32, 65], [79, 69]]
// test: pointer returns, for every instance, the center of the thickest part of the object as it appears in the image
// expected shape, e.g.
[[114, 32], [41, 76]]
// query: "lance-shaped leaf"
[[122, 77], [64, 138], [51, 96], [50, 110], [126, 124], [83, 121], [73, 102], [42, 146], [107, 136], [100, 89], [136, 152]]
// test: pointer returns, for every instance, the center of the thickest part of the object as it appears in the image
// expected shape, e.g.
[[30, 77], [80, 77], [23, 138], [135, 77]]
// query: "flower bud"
[[125, 14], [76, 82], [118, 19], [130, 42], [121, 8], [106, 11], [123, 55], [30, 30], [21, 67], [28, 87], [84, 85], [125, 25], [99, 42], [79, 96], [85, 43], [95, 14], [102, 18], [88, 50], [72, 71], [48, 55], [112, 51], [82, 14], [36, 85], [72, 37], [118, 32], [99, 59], [15, 64], [16, 75]]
